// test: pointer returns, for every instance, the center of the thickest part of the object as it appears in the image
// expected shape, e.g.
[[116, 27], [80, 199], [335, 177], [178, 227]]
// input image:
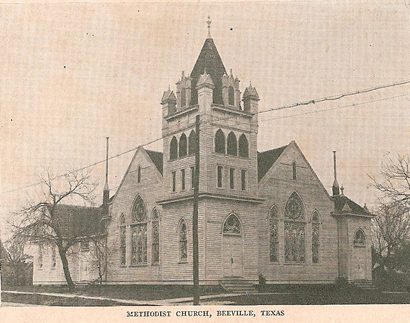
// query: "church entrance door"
[[232, 256], [232, 247]]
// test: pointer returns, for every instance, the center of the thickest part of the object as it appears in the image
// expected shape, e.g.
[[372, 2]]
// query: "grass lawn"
[[318, 295], [128, 292], [284, 295]]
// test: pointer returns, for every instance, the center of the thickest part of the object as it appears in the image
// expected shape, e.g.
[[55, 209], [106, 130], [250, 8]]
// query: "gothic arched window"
[[123, 240], [183, 241], [243, 146], [155, 237], [192, 143], [139, 233], [294, 225], [53, 256], [232, 144], [183, 144], [232, 225], [359, 238], [273, 234], [173, 149], [231, 96], [315, 237], [183, 97], [220, 142]]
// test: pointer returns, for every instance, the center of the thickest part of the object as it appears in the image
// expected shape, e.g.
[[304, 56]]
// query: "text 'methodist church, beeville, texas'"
[[260, 213]]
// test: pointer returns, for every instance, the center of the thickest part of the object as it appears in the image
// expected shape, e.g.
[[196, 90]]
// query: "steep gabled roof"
[[157, 159], [77, 221], [344, 205], [209, 61], [266, 159]]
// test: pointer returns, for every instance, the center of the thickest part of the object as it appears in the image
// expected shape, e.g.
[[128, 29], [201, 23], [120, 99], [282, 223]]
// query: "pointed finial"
[[231, 72], [342, 189], [169, 87], [204, 70], [209, 21]]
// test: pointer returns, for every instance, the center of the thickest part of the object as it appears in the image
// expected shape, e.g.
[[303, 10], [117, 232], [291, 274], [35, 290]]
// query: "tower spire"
[[335, 187], [106, 191], [209, 21]]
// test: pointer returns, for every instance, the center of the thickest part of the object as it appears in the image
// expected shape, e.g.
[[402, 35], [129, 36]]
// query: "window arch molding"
[[297, 196], [232, 225], [359, 238], [142, 213]]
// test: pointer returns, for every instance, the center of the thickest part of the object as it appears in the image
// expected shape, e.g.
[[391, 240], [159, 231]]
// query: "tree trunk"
[[64, 261]]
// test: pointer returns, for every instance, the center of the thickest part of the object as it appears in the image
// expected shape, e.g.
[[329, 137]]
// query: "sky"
[[72, 74]]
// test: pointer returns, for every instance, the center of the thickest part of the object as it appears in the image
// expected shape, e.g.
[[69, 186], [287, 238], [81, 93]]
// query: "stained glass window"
[[40, 255], [359, 238], [294, 230], [155, 237], [232, 225], [53, 256], [123, 240], [183, 242], [139, 233], [273, 234], [315, 237]]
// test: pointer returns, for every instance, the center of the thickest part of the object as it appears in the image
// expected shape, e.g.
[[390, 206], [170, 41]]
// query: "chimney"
[[335, 187], [106, 192]]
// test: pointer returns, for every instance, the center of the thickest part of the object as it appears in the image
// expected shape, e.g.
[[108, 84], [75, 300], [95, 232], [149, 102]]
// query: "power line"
[[302, 103]]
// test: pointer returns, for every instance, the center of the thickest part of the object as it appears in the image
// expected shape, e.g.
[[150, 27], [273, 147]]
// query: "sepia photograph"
[[218, 154]]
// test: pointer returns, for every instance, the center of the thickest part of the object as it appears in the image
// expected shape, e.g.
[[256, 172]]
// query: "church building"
[[260, 213]]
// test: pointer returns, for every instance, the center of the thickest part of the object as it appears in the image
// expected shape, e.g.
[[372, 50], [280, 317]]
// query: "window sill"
[[183, 262], [139, 265], [359, 246], [156, 264], [295, 264], [123, 266]]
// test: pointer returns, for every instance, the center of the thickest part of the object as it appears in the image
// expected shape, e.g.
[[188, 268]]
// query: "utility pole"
[[195, 251]]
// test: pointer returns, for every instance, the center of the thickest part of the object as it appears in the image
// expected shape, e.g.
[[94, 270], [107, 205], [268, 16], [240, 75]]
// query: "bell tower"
[[228, 131]]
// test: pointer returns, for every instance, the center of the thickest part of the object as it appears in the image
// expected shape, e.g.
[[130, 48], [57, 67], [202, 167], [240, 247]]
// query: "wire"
[[302, 103]]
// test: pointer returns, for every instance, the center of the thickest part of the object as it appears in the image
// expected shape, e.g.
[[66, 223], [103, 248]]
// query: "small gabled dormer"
[[168, 103], [230, 91], [184, 92]]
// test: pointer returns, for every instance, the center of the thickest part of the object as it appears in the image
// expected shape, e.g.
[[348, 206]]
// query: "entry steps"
[[237, 285]]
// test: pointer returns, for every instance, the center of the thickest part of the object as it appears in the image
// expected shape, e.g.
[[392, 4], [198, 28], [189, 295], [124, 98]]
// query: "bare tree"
[[40, 221], [17, 260], [395, 182], [391, 230], [100, 253]]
